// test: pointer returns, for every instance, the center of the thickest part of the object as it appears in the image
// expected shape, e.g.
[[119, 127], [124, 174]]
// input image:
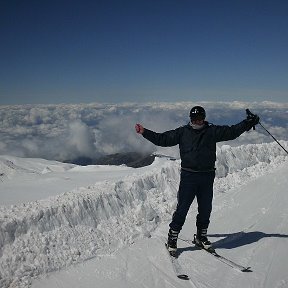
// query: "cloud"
[[80, 138], [64, 132]]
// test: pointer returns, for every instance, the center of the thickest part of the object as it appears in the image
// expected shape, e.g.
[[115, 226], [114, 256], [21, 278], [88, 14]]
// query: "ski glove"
[[252, 120]]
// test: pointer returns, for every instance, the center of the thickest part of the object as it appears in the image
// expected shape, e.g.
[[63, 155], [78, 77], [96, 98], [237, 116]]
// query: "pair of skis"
[[180, 273]]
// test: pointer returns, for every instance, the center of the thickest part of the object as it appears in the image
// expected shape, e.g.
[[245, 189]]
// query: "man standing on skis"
[[197, 143]]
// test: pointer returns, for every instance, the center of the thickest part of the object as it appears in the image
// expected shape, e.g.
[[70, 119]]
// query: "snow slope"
[[250, 226], [118, 223], [23, 179]]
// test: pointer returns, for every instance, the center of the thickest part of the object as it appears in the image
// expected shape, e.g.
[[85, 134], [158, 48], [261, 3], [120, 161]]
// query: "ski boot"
[[172, 242], [201, 240]]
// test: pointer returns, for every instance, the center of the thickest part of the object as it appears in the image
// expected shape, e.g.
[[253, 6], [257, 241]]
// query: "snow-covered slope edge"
[[232, 159], [45, 235]]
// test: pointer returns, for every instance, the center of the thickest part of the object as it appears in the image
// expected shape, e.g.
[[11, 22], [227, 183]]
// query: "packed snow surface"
[[68, 226]]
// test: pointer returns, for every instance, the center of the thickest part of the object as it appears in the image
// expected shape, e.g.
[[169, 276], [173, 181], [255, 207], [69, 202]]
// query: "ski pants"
[[199, 184]]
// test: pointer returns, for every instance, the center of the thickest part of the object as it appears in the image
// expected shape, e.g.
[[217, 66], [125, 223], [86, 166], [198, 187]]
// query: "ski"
[[226, 260], [221, 258], [177, 266]]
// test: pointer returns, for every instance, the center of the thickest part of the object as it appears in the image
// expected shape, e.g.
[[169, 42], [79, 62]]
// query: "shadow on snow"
[[242, 238]]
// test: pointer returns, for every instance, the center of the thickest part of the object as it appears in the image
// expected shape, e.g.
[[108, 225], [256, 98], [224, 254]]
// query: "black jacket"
[[197, 147]]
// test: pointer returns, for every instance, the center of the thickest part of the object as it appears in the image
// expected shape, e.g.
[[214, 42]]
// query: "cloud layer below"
[[63, 132]]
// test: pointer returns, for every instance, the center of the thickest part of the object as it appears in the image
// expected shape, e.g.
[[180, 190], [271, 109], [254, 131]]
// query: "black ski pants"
[[199, 184]]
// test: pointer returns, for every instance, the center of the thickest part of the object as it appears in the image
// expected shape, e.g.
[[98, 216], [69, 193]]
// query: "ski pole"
[[273, 137], [249, 113]]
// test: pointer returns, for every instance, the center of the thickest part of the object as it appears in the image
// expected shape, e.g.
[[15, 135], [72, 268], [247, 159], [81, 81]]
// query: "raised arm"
[[165, 139]]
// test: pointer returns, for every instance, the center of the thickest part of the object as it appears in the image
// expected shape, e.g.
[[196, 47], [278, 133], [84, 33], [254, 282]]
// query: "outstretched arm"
[[168, 138], [224, 133]]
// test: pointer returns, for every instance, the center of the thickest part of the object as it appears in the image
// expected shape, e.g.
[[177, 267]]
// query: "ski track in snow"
[[46, 235]]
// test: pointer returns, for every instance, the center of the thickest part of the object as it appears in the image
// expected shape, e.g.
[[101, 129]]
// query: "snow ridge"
[[42, 236], [45, 235], [232, 159]]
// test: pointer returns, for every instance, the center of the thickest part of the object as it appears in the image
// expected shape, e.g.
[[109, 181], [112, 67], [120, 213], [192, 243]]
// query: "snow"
[[56, 177], [63, 225]]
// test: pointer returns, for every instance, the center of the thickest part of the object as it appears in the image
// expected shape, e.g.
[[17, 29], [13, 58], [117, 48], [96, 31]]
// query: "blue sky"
[[143, 50]]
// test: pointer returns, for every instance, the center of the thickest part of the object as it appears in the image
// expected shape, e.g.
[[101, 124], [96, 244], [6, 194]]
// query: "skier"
[[197, 143]]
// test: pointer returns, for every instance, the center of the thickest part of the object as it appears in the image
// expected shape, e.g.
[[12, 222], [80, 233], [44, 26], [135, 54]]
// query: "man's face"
[[198, 122]]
